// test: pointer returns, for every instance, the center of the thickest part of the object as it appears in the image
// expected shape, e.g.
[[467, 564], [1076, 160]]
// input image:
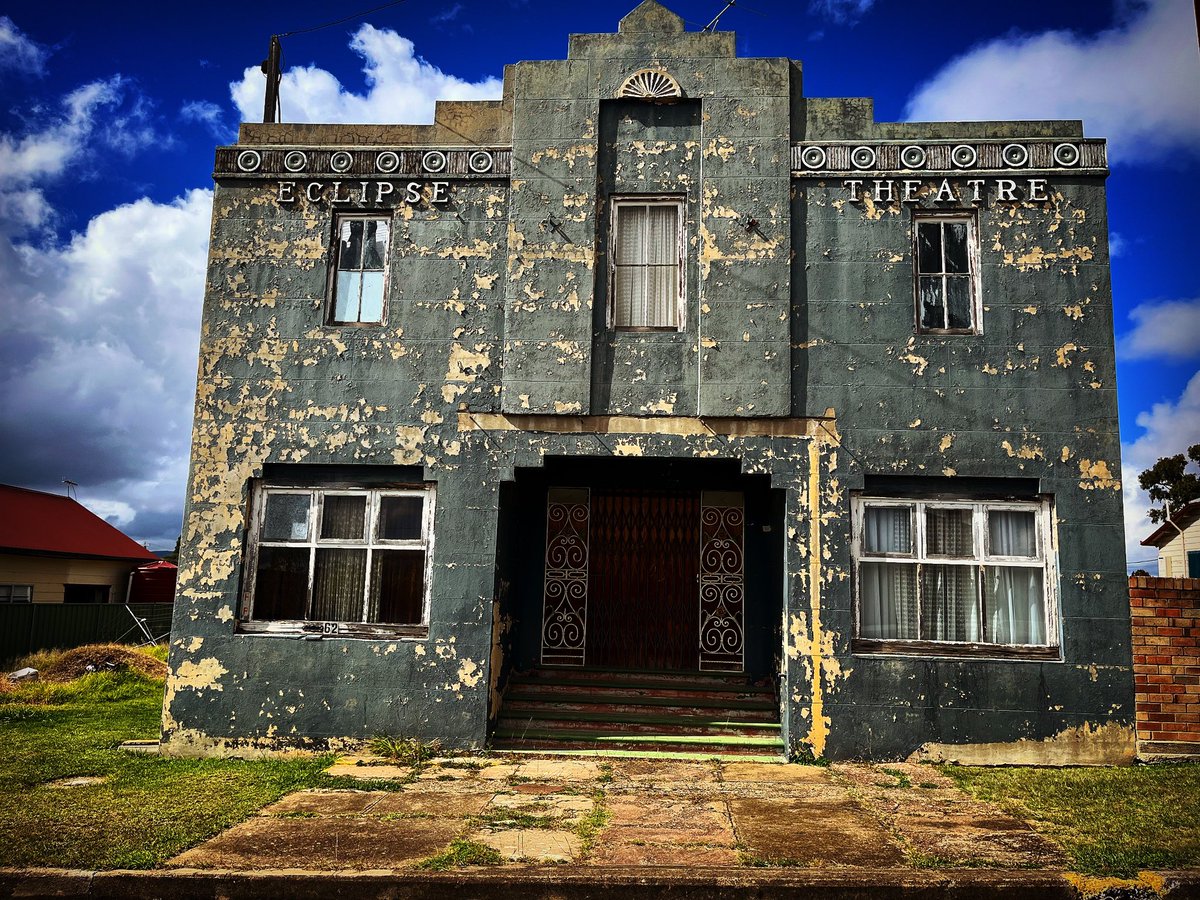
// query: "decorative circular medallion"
[[862, 158], [963, 156], [1015, 155], [813, 158], [1066, 155], [480, 161], [912, 157], [387, 161], [341, 161], [433, 161], [249, 160], [650, 84], [295, 161]]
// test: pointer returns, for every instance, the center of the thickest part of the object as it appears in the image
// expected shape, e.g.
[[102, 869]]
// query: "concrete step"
[[512, 721], [564, 739], [520, 704]]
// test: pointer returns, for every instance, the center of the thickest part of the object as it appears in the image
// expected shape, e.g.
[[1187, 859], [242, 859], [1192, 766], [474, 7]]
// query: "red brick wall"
[[1166, 663]]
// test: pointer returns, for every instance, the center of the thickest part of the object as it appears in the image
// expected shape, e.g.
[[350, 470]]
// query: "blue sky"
[[109, 114]]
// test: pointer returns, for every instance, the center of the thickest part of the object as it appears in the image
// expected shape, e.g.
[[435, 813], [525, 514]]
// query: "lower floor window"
[[16, 593], [341, 555], [954, 572]]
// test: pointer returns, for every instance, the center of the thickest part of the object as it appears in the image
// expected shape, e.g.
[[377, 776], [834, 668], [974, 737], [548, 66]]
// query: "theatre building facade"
[[657, 405]]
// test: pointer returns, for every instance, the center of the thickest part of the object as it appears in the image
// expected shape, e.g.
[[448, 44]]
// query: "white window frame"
[[1046, 560], [369, 542], [921, 217], [8, 592], [335, 266], [618, 202]]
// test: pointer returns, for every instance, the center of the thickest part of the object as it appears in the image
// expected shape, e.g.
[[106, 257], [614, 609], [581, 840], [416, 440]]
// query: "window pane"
[[662, 236], [345, 296], [958, 301], [888, 529], [929, 247], [629, 297], [1012, 533], [342, 517], [286, 518], [664, 297], [281, 583], [338, 582], [933, 313], [888, 601], [955, 234], [949, 603], [948, 533], [400, 518], [350, 244], [375, 244], [1014, 605], [397, 587], [22, 593], [631, 223], [371, 308]]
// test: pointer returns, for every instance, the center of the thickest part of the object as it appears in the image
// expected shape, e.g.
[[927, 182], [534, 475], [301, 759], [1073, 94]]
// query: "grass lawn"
[[147, 809], [1111, 821]]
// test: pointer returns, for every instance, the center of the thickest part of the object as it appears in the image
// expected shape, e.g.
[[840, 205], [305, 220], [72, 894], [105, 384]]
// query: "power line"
[[357, 15]]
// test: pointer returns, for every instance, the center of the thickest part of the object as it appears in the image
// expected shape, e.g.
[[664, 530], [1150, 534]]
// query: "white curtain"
[[888, 602], [888, 529], [646, 270], [1016, 605], [949, 603]]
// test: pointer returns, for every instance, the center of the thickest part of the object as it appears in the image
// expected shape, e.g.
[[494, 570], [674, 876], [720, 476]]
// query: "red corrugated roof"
[[37, 522]]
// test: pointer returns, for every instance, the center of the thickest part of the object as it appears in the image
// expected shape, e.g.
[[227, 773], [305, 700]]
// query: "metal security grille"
[[565, 598], [722, 583]]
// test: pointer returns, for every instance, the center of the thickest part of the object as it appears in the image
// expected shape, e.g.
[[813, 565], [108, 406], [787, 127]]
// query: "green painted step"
[[694, 721], [730, 740], [621, 700], [650, 754]]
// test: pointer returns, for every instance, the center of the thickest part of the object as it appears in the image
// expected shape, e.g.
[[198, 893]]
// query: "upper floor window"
[[358, 269], [947, 273], [337, 555], [944, 573], [646, 275]]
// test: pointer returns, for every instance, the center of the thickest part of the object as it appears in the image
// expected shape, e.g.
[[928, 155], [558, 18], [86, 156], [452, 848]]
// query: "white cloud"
[[1167, 330], [401, 87], [1170, 428], [1137, 84], [107, 113], [212, 117], [98, 359], [844, 12], [18, 51]]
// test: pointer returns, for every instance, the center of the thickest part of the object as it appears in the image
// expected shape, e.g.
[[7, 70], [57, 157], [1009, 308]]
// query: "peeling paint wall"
[[495, 355]]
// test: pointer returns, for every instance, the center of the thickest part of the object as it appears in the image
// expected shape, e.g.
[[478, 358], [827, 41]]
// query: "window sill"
[[871, 647], [360, 630]]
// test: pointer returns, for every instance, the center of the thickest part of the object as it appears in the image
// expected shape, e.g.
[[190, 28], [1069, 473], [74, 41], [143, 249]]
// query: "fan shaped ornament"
[[650, 84]]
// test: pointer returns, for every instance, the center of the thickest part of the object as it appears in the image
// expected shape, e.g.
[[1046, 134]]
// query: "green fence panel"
[[27, 627]]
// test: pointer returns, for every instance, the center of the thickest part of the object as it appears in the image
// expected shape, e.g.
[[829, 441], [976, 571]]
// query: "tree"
[[1168, 483]]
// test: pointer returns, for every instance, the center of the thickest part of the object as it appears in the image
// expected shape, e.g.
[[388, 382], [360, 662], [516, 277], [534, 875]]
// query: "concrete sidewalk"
[[570, 827]]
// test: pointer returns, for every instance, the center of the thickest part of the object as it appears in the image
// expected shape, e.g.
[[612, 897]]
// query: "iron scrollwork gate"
[[722, 582], [564, 601]]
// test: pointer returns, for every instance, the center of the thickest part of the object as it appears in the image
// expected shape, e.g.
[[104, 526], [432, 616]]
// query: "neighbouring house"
[[1178, 543], [657, 405], [54, 550]]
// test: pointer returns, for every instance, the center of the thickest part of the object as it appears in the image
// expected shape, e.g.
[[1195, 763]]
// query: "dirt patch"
[[77, 781], [80, 661], [812, 833]]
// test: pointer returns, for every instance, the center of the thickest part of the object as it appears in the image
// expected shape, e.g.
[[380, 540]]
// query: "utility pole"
[[271, 67]]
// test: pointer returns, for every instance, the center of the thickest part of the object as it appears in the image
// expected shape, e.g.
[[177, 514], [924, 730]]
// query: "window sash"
[[358, 270], [992, 574], [646, 274], [946, 281], [16, 593], [323, 550]]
